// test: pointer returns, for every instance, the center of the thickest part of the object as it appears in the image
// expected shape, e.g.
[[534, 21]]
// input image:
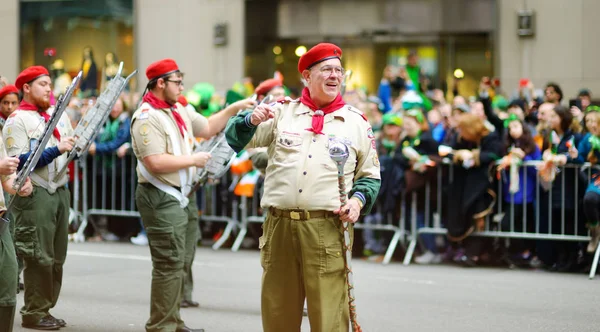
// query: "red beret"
[[8, 90], [29, 75], [161, 68], [182, 101], [319, 53], [267, 85]]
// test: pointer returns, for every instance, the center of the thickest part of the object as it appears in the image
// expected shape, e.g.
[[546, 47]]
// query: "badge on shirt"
[[145, 114], [8, 131], [375, 160], [373, 144], [144, 130], [10, 142], [146, 141], [9, 121], [370, 133]]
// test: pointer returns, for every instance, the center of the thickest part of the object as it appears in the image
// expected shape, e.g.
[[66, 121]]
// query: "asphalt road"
[[107, 288]]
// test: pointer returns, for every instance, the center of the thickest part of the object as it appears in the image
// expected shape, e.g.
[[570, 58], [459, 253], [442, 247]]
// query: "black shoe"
[[188, 304], [60, 322], [44, 324], [187, 329]]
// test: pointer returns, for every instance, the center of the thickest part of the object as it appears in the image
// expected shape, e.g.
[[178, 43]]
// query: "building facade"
[[221, 41]]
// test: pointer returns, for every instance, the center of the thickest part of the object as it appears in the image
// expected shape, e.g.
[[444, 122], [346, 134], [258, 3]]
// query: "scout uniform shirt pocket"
[[288, 146]]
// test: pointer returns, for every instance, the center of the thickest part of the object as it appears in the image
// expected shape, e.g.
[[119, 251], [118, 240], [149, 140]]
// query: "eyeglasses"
[[327, 71], [178, 83]]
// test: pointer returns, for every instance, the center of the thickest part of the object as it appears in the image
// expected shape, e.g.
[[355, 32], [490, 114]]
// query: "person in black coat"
[[475, 149]]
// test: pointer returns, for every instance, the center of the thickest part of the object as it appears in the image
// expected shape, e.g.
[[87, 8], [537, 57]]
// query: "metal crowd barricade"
[[494, 229], [215, 207], [108, 188], [388, 225], [250, 213]]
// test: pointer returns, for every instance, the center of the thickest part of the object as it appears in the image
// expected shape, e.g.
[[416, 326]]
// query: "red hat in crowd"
[[182, 100], [8, 90], [319, 53], [161, 68], [267, 85], [30, 74]]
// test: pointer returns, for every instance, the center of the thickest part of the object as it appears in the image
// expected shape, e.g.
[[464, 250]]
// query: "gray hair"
[[74, 113]]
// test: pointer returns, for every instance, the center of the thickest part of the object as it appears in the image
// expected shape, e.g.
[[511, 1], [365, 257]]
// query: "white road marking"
[[410, 281], [130, 257]]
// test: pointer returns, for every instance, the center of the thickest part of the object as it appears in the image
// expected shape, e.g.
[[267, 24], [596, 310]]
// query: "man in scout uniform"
[[8, 261], [9, 100], [163, 134], [301, 246], [41, 233]]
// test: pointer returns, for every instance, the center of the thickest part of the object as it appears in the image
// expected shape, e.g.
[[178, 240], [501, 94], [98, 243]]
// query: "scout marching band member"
[[41, 233], [8, 257], [163, 134], [9, 100], [301, 246]]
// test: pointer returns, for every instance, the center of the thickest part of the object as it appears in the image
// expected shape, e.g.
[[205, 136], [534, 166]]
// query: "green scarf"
[[595, 143], [111, 127]]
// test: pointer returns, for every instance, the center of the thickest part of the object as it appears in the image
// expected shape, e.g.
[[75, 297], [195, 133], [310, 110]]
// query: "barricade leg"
[[231, 225], [243, 224], [595, 263], [392, 247]]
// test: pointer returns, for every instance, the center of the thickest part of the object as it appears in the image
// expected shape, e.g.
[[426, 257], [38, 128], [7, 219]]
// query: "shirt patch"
[[145, 114], [10, 142], [146, 141], [373, 145], [375, 160], [8, 131], [10, 121], [370, 133], [144, 130]]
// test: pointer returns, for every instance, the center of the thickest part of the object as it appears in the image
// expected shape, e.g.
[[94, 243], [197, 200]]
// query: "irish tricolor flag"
[[241, 163], [246, 185]]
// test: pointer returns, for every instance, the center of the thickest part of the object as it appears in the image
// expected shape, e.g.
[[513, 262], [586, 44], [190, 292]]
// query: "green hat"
[[392, 119], [232, 96], [416, 113], [206, 91], [500, 103]]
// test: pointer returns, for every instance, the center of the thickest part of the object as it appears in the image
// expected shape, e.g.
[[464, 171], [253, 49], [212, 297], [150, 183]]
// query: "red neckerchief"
[[25, 106], [156, 103], [317, 119]]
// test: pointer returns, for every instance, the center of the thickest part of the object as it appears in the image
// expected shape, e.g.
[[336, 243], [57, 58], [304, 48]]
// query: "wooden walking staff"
[[338, 151]]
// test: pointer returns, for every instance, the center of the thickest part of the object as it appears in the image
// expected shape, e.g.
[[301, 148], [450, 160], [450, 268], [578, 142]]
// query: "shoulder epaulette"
[[357, 111], [285, 100]]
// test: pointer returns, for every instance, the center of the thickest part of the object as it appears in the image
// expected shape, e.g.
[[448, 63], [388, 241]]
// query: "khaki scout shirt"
[[20, 131], [149, 137], [300, 173]]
